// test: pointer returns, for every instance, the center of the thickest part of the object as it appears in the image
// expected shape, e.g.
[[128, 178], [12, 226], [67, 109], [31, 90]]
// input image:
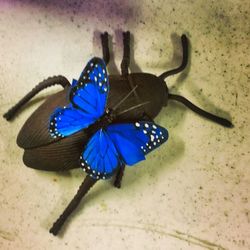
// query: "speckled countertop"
[[192, 193]]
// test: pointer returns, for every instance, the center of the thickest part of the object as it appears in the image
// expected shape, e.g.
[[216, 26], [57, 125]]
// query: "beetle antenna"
[[134, 107], [184, 42], [124, 98], [83, 189], [40, 86], [201, 112]]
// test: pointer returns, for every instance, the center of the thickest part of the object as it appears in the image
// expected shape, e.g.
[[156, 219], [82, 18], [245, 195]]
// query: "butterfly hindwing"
[[125, 143], [134, 140], [88, 98], [67, 121], [100, 158], [90, 92]]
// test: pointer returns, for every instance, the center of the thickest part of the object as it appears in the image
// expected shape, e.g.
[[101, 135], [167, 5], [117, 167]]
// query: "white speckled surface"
[[192, 193]]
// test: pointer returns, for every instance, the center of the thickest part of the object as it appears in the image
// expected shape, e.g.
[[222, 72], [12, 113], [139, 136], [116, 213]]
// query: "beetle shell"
[[46, 153]]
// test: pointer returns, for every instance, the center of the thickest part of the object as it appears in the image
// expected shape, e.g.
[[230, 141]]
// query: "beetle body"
[[45, 153]]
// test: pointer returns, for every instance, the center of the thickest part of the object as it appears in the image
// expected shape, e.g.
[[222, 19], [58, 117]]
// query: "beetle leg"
[[184, 42], [61, 80], [222, 121], [105, 47], [119, 176], [126, 53], [83, 189]]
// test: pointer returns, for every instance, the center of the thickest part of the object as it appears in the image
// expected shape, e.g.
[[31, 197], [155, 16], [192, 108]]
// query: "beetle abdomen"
[[150, 89], [60, 155]]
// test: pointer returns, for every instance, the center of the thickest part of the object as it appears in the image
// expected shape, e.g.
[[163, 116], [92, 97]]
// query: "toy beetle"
[[132, 97]]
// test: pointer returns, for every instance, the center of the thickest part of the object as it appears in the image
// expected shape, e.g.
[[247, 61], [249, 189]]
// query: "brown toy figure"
[[112, 115]]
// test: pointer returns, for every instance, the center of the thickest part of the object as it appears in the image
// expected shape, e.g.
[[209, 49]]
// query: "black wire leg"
[[61, 80], [126, 53], [105, 47], [222, 121], [184, 42], [82, 191], [119, 176]]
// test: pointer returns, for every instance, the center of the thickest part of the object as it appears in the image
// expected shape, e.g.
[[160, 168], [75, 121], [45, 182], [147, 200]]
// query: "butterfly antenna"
[[124, 98], [134, 107]]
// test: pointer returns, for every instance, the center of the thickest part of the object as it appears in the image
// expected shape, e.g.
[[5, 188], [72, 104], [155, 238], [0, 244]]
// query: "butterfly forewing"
[[88, 97], [90, 93]]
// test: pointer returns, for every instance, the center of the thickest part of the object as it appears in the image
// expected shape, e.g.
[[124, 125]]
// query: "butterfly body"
[[101, 123]]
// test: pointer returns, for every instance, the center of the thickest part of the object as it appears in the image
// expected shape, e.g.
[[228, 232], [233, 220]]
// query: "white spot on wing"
[[137, 124]]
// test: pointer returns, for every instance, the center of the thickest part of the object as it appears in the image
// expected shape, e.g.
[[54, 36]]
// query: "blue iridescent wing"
[[74, 83], [120, 143], [90, 92], [67, 121], [88, 98], [100, 157], [134, 141]]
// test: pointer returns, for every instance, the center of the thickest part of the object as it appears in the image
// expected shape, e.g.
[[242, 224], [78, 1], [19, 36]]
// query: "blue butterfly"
[[110, 145]]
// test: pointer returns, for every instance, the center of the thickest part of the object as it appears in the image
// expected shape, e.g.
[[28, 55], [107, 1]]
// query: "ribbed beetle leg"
[[105, 47], [126, 53], [119, 176], [82, 191], [61, 80]]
